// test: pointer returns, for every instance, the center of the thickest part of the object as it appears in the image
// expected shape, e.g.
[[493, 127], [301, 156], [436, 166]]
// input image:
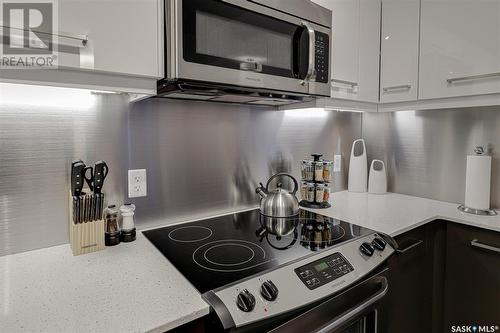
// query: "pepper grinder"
[[112, 228], [128, 233]]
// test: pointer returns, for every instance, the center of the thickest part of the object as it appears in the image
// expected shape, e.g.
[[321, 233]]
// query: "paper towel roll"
[[477, 182]]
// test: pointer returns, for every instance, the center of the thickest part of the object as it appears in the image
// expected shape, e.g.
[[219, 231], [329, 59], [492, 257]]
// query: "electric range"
[[249, 267]]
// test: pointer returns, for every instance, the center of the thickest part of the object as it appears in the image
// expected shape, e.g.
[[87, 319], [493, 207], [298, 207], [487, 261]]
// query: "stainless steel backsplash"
[[425, 151], [37, 145], [201, 158], [204, 158]]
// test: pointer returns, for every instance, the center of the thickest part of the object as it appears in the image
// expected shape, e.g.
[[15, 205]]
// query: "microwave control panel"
[[322, 58], [324, 270]]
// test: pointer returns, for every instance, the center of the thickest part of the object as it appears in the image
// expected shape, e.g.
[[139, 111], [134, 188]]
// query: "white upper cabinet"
[[354, 48], [124, 36], [399, 50], [459, 48], [369, 50]]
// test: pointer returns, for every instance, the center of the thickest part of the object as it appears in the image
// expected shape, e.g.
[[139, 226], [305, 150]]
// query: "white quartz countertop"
[[395, 214], [131, 287]]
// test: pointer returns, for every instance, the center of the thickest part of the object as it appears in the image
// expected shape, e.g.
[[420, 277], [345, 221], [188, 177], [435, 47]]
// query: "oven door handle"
[[358, 309], [319, 318], [311, 63]]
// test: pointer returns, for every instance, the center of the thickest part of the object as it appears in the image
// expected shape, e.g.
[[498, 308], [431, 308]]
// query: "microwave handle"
[[311, 72]]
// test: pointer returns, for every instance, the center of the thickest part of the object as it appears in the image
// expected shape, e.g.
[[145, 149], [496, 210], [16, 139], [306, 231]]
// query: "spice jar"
[[303, 169], [327, 171], [308, 170], [303, 190], [320, 190], [310, 192], [318, 171], [112, 228], [326, 193]]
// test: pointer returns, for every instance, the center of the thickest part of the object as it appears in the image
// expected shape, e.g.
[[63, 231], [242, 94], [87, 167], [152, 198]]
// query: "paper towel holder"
[[478, 150], [489, 212]]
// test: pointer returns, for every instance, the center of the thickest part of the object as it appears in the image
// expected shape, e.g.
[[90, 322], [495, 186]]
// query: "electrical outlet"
[[337, 163], [137, 183]]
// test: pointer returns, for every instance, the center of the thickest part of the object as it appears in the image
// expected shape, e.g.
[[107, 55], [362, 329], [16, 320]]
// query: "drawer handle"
[[472, 77], [408, 248], [401, 87], [347, 83], [476, 243]]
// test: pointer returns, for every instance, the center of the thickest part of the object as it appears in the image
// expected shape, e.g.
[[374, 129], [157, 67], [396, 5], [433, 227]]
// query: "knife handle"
[[100, 172], [77, 178]]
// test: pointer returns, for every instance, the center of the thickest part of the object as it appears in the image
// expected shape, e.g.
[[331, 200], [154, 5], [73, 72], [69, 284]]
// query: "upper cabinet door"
[[460, 48], [345, 48], [399, 50], [369, 50], [124, 36], [354, 48]]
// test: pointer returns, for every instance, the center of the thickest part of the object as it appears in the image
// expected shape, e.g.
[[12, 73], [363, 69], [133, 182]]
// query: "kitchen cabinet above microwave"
[[354, 48], [110, 45]]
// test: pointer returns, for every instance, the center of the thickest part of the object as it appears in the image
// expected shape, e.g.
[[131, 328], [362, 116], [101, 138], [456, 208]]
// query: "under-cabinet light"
[[306, 113], [47, 96]]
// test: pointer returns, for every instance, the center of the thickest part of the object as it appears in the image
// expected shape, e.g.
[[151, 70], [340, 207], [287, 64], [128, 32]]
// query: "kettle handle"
[[284, 174]]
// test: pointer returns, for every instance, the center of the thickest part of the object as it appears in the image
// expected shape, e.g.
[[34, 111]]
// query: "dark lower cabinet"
[[472, 281], [415, 271]]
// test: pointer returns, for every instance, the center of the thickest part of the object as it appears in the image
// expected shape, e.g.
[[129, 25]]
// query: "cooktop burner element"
[[189, 234], [218, 251], [231, 255]]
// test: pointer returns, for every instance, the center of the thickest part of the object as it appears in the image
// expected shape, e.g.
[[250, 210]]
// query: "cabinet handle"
[[476, 243], [72, 40], [401, 87], [348, 83], [408, 248], [472, 77]]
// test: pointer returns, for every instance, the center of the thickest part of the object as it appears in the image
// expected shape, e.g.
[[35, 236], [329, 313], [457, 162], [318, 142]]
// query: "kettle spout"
[[261, 190]]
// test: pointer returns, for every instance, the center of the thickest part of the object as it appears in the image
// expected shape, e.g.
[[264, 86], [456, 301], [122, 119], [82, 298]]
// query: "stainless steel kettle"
[[278, 202]]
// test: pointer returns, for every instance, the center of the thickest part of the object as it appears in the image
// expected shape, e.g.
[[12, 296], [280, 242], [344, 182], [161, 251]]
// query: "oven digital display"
[[323, 271], [321, 266]]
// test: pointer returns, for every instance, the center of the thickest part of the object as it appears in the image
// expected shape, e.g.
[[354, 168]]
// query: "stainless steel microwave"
[[267, 52]]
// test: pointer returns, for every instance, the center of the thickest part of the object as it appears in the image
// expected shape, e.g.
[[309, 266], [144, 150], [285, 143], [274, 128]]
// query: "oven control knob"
[[367, 248], [245, 301], [269, 291], [379, 243]]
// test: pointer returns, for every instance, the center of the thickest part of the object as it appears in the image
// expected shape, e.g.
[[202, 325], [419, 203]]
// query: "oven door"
[[356, 310], [242, 43]]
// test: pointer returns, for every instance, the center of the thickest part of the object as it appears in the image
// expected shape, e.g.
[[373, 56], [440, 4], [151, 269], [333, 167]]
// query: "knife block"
[[85, 237]]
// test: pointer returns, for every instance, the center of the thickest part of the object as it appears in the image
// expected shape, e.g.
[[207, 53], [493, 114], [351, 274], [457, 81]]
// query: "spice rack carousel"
[[316, 175]]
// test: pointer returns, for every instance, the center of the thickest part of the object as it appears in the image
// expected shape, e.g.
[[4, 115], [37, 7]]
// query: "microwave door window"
[[220, 34], [245, 43]]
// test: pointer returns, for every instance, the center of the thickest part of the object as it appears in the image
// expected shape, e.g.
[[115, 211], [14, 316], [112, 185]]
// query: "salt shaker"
[[128, 233]]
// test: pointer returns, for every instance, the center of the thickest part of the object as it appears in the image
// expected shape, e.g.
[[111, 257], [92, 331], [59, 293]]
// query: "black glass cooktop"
[[215, 252]]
